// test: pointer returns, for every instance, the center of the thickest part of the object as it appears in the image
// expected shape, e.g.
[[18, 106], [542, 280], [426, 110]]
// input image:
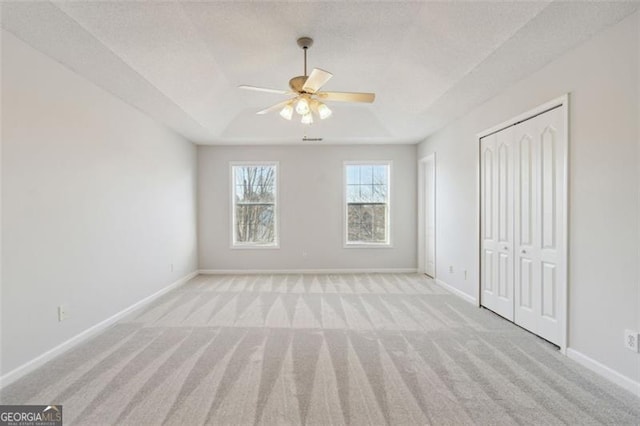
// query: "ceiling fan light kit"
[[306, 102]]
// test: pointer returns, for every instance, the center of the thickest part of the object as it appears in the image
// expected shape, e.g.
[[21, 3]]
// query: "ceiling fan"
[[307, 95]]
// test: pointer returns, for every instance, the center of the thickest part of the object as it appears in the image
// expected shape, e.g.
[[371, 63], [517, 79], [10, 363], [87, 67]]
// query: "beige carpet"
[[320, 349]]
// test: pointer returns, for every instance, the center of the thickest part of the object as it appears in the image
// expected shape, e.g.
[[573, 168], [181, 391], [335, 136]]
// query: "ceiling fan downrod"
[[305, 43]]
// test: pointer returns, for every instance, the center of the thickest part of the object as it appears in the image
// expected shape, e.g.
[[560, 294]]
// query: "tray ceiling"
[[427, 62]]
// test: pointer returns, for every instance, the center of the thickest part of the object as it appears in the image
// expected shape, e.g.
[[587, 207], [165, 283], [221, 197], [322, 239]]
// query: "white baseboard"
[[29, 366], [461, 294], [604, 371], [307, 271]]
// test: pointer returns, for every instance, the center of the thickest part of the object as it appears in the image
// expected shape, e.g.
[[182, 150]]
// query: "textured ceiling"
[[427, 62]]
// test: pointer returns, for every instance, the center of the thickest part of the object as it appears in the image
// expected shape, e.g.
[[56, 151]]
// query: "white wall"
[[97, 202], [602, 78], [311, 206], [638, 165]]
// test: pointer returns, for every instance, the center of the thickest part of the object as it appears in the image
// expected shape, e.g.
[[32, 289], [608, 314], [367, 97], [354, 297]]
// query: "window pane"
[[367, 223], [379, 222], [353, 193], [380, 175], [239, 193], [254, 184], [379, 194], [355, 222], [267, 194], [366, 193], [366, 175], [239, 175], [255, 223], [353, 175]]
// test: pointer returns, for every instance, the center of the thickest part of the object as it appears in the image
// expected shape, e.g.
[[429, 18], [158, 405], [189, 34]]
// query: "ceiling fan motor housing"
[[296, 83]]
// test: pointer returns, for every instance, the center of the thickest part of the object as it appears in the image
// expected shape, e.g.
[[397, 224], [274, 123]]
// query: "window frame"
[[276, 206], [345, 205]]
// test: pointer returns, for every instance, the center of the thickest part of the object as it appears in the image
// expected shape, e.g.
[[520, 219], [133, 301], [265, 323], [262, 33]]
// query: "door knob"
[[523, 251], [505, 248]]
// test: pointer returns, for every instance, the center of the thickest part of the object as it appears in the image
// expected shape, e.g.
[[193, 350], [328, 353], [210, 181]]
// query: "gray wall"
[[98, 201], [602, 77], [311, 209]]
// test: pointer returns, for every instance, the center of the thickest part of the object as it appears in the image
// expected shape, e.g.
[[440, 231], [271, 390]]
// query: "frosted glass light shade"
[[287, 112], [307, 118], [302, 107], [323, 111]]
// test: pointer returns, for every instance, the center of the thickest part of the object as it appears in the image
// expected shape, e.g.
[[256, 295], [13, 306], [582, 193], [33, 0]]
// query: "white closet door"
[[497, 229], [539, 211]]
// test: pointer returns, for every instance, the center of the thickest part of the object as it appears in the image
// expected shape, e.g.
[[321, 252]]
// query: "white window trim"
[[232, 205], [345, 218]]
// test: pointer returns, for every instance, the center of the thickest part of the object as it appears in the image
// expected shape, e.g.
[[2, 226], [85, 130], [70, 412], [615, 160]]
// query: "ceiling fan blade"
[[347, 96], [275, 107], [316, 80], [264, 89]]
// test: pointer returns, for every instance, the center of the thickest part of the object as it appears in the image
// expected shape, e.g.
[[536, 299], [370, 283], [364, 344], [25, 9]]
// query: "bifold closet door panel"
[[527, 274], [497, 228], [539, 208]]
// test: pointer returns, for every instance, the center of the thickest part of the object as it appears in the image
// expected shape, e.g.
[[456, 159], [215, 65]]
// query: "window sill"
[[255, 247], [368, 245]]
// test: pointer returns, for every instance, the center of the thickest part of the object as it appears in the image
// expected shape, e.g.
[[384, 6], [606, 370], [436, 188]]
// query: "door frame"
[[422, 240], [563, 103]]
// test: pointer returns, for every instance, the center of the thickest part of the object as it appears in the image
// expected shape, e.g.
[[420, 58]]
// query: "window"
[[367, 203], [254, 198]]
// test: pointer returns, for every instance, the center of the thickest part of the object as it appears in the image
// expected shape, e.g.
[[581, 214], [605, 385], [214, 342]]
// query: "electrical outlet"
[[171, 267], [451, 269], [631, 340], [465, 274], [62, 313]]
